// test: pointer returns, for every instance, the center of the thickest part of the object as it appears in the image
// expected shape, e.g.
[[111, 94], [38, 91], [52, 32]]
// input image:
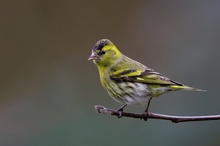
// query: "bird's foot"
[[146, 115], [120, 110]]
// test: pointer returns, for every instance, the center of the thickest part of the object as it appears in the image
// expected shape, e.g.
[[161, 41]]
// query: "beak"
[[94, 56]]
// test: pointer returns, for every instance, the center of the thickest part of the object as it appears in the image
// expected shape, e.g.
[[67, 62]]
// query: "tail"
[[183, 87]]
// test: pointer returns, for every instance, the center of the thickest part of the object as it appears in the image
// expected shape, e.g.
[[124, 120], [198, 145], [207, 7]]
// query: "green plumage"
[[128, 81]]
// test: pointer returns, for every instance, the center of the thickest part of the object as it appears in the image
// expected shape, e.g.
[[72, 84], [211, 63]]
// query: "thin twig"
[[144, 116]]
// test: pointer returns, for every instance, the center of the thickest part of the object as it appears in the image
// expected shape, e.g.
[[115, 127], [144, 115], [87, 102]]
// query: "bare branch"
[[175, 119]]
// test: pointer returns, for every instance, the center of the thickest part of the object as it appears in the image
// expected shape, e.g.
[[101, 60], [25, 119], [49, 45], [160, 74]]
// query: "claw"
[[120, 114], [146, 114]]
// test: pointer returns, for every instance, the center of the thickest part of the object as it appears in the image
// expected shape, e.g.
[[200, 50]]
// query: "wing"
[[146, 75], [129, 70]]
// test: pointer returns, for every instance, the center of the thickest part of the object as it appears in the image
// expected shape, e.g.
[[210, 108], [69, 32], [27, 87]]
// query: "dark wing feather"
[[147, 76]]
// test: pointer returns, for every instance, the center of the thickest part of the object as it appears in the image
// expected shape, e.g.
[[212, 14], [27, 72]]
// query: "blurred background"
[[48, 89]]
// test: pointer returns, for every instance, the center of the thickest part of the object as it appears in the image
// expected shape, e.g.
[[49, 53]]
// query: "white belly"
[[136, 94]]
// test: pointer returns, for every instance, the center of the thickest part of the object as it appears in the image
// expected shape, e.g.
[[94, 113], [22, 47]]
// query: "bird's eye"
[[102, 52]]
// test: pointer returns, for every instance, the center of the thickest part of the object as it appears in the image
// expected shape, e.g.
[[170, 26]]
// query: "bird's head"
[[104, 53]]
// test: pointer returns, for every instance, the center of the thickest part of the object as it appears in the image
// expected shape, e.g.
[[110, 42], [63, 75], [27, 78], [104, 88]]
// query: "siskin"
[[128, 81]]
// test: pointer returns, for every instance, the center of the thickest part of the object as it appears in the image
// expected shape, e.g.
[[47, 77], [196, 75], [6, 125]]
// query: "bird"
[[128, 81]]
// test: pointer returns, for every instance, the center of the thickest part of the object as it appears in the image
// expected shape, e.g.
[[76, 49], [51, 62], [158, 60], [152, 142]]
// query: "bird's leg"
[[148, 104], [120, 109], [146, 110]]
